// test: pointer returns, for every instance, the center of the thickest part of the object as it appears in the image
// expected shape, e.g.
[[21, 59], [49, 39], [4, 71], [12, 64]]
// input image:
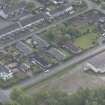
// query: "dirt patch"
[[70, 82]]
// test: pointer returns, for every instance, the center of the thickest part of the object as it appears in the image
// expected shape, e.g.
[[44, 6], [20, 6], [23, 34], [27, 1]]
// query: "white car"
[[46, 71]]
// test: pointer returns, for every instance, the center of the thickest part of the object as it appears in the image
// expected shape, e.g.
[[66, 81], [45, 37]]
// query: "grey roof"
[[89, 17], [24, 67], [40, 60], [3, 69], [56, 53], [9, 28], [14, 11], [23, 48], [41, 43], [59, 10], [44, 2], [12, 8], [69, 46]]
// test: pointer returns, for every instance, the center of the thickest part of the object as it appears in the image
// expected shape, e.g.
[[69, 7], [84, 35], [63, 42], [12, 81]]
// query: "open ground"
[[69, 80]]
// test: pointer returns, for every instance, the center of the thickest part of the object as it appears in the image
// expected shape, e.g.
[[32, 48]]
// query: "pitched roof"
[[23, 48], [71, 47], [56, 53], [3, 69], [41, 43]]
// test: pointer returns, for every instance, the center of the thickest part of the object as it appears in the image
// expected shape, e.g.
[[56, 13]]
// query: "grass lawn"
[[67, 54], [86, 41]]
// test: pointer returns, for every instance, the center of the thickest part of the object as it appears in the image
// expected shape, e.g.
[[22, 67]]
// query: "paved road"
[[90, 4], [64, 65], [57, 69], [4, 94], [39, 31], [60, 67], [68, 63]]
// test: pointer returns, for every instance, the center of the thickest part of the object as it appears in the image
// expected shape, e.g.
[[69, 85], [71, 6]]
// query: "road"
[[60, 67], [45, 28], [90, 5], [75, 60], [55, 70]]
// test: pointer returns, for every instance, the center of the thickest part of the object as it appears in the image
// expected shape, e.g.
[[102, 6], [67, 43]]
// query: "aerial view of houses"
[[26, 43], [41, 38]]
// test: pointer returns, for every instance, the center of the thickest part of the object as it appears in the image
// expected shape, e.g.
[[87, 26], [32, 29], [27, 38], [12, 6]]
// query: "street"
[[43, 29], [53, 71], [43, 76]]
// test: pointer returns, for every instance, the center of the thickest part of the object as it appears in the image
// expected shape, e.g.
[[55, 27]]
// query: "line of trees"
[[81, 97]]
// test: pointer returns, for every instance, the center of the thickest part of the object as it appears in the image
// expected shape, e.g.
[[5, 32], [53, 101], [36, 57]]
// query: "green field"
[[86, 41], [84, 35]]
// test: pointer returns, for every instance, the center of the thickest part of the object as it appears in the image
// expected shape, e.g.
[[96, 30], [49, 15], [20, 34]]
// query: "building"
[[68, 9], [37, 59], [44, 2], [12, 65], [38, 42], [96, 64], [56, 2], [3, 15], [10, 10], [24, 67], [5, 73], [56, 54], [23, 48], [89, 66], [69, 46]]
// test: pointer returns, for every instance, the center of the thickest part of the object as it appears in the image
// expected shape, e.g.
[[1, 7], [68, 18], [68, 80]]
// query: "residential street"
[[45, 28], [4, 94], [42, 76], [62, 66]]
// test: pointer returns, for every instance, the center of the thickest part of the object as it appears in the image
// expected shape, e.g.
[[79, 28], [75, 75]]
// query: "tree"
[[1, 103], [81, 97], [21, 98], [31, 6], [13, 2], [16, 93], [50, 35], [12, 103]]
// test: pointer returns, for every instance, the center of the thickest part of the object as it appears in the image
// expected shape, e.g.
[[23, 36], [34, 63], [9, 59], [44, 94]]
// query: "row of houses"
[[9, 71], [69, 46], [33, 19], [5, 73], [24, 50], [47, 2], [19, 29], [8, 10], [41, 44]]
